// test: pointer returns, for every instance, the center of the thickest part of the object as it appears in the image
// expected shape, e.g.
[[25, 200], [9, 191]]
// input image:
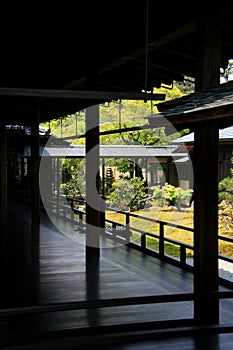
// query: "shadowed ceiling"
[[105, 46]]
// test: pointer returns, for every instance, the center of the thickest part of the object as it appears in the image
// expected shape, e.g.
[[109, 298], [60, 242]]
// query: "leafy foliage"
[[225, 210], [225, 189], [225, 195], [123, 114], [69, 166], [170, 195], [127, 194], [227, 74], [75, 186], [125, 165]]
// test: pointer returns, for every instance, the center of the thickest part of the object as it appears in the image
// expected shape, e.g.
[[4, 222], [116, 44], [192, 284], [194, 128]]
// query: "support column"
[[206, 138], [35, 198], [57, 184], [3, 235], [92, 173], [103, 176], [206, 224], [93, 214]]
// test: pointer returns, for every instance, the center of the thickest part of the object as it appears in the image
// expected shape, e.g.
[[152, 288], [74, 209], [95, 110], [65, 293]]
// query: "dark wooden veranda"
[[132, 298], [54, 293]]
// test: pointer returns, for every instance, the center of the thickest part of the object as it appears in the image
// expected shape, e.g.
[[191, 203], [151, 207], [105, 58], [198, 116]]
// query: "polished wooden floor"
[[122, 272]]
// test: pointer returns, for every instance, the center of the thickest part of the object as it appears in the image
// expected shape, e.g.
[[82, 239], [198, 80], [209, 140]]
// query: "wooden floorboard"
[[211, 342], [123, 272]]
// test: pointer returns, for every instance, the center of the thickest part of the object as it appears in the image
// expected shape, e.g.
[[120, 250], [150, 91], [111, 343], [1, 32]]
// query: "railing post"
[[72, 204], [143, 242], [127, 223], [127, 219], [80, 217], [57, 186], [4, 257], [161, 239], [102, 214], [183, 255], [72, 212], [114, 230]]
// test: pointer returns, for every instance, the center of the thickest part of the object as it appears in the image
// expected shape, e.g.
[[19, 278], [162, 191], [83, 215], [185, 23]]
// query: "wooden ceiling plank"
[[74, 94], [171, 36]]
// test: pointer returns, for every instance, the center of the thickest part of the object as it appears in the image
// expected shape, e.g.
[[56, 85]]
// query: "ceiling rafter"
[[178, 33]]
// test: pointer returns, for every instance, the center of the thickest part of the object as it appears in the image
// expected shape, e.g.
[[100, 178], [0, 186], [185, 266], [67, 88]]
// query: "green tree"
[[131, 113], [225, 187], [225, 195], [170, 195], [127, 194], [226, 74], [69, 166], [125, 165], [225, 190], [76, 185]]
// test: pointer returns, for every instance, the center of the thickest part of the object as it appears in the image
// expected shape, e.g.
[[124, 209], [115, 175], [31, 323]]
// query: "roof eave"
[[222, 115]]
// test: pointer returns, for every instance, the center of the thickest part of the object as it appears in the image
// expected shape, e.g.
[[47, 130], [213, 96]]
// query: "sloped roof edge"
[[204, 107], [225, 134]]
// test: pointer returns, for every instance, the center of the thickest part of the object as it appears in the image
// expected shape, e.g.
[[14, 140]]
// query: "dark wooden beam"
[[93, 209], [3, 235], [92, 166], [3, 199], [206, 139], [163, 40], [81, 94], [206, 223], [35, 201], [221, 115]]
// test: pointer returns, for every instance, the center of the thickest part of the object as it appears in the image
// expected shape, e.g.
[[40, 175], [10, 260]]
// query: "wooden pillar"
[[92, 195], [92, 170], [206, 305], [103, 176], [22, 169], [46, 181], [3, 235], [35, 198], [57, 184], [93, 214]]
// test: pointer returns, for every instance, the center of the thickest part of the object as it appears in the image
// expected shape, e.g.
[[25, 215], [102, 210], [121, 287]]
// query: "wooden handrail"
[[91, 304], [162, 239]]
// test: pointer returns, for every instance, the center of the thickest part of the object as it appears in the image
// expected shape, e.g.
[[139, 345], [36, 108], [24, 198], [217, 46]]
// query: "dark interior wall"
[[19, 261]]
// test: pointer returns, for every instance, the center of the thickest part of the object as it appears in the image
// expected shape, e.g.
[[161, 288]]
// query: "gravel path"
[[225, 269]]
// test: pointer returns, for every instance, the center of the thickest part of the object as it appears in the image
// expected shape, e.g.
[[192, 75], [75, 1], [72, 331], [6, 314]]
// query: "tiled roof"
[[224, 134], [116, 151], [214, 104], [221, 94]]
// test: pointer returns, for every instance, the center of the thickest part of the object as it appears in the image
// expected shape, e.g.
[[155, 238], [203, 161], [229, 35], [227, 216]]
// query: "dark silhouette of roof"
[[202, 107]]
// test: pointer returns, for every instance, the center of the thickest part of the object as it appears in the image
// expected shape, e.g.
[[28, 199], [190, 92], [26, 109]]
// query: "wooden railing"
[[160, 236], [124, 232], [70, 211]]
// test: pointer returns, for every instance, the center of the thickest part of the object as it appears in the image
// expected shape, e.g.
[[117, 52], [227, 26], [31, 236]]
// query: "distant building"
[[225, 150]]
